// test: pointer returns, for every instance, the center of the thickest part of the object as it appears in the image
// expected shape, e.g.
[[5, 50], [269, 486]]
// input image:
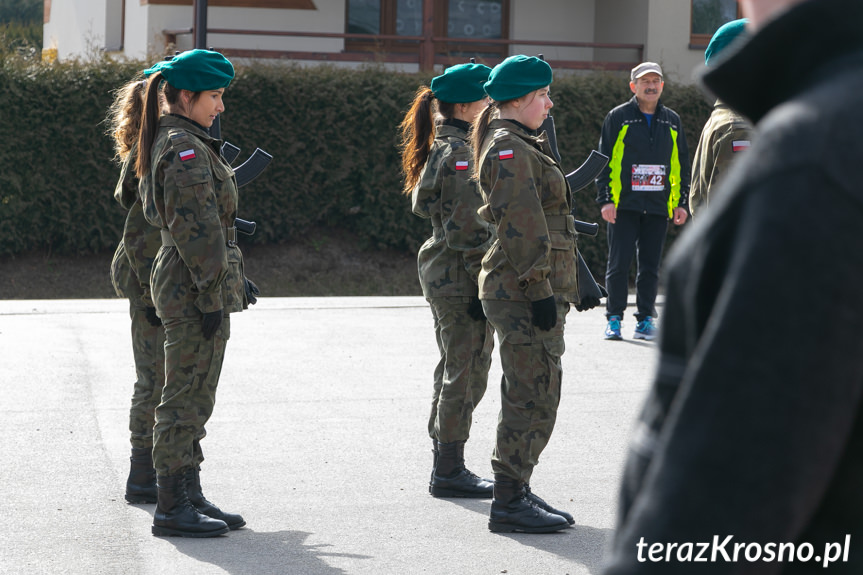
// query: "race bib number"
[[648, 177]]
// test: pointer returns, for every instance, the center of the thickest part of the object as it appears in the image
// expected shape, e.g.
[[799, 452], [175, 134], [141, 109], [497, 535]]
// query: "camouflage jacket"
[[725, 135], [449, 262], [133, 260], [529, 202], [191, 193]]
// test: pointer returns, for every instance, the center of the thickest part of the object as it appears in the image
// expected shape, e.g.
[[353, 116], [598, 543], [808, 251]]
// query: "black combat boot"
[[193, 486], [141, 484], [175, 515], [512, 511], [450, 478], [539, 502]]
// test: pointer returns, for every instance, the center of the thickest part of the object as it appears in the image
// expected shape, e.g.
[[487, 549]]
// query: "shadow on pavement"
[[583, 544], [248, 552]]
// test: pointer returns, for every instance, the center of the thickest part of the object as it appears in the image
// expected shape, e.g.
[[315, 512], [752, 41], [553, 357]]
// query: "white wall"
[[75, 28], [329, 18]]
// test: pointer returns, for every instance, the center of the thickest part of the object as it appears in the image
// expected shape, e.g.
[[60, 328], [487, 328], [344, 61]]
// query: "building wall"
[[668, 27], [75, 27], [565, 20], [620, 22]]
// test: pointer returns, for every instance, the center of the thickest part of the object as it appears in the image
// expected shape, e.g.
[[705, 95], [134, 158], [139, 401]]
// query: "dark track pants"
[[643, 234]]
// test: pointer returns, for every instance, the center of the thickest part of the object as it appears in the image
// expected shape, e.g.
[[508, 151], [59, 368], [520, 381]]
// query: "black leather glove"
[[591, 301], [211, 322], [474, 309], [544, 313], [252, 291], [152, 318], [586, 303]]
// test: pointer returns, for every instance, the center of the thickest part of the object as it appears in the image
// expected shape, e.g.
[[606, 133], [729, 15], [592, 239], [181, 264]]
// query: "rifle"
[[589, 291]]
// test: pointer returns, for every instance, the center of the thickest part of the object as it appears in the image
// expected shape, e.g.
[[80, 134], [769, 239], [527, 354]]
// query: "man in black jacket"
[[748, 455], [645, 183]]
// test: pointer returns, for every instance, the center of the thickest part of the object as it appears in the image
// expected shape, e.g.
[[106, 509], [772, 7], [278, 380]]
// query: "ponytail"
[[124, 117], [478, 133], [417, 135], [149, 125]]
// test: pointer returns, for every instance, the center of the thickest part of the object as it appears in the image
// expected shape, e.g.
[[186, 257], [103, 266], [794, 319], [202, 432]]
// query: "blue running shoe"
[[612, 330], [645, 329]]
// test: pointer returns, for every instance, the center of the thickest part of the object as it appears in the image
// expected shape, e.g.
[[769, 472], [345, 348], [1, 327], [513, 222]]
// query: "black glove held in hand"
[[474, 310], [211, 322], [252, 291], [587, 303], [544, 313], [152, 318]]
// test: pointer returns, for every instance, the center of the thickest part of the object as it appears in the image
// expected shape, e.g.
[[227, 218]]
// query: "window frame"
[[440, 19], [278, 4], [700, 41]]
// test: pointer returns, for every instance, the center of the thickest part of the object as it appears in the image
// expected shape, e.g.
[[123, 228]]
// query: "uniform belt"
[[230, 237], [561, 223]]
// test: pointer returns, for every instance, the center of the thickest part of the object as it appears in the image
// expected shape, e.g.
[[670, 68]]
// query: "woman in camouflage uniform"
[[190, 194], [527, 282], [436, 159], [130, 274]]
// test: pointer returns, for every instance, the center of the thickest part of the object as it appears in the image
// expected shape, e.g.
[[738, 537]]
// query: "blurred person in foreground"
[[747, 455]]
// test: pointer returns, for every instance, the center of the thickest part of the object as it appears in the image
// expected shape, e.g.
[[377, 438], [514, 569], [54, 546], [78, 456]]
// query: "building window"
[[708, 16], [474, 19]]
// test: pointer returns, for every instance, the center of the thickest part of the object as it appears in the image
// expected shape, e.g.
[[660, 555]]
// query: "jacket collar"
[[634, 103], [809, 36], [182, 122]]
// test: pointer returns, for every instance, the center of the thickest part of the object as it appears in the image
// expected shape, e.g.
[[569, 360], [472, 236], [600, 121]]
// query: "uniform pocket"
[[564, 268]]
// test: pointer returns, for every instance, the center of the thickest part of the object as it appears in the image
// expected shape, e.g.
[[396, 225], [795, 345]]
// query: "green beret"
[[725, 35], [196, 70], [461, 84], [516, 76], [154, 68]]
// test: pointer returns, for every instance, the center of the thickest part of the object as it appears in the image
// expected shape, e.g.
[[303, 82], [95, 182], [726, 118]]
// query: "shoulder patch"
[[187, 154], [505, 154], [461, 165], [739, 145]]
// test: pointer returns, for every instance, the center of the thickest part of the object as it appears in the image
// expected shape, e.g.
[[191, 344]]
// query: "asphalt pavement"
[[318, 439]]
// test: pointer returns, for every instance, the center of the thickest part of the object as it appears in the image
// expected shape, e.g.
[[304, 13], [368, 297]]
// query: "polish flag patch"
[[739, 145], [505, 155], [187, 155], [461, 165]]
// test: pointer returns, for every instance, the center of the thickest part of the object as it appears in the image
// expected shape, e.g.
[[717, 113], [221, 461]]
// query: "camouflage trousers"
[[529, 388], [461, 375], [192, 369], [148, 348]]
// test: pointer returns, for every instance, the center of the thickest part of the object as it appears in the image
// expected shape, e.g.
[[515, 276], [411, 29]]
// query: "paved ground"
[[318, 439]]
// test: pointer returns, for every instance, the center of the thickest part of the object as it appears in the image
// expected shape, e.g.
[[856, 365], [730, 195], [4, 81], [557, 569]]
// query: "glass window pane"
[[474, 19], [364, 16], [709, 15], [409, 15]]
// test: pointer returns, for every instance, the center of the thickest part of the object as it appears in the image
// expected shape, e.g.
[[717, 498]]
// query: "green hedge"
[[331, 131]]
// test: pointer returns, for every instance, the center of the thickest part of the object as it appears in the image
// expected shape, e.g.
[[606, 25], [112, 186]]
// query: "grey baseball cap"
[[645, 68]]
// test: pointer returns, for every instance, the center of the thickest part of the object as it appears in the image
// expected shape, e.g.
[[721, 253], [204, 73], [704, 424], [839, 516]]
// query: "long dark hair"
[[478, 133], [417, 133], [157, 89]]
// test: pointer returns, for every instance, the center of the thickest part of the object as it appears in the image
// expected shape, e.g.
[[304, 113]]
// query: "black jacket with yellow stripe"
[[648, 170]]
